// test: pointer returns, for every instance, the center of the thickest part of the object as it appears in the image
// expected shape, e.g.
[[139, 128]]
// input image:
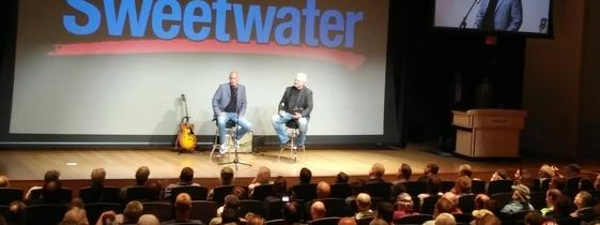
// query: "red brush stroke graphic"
[[126, 47]]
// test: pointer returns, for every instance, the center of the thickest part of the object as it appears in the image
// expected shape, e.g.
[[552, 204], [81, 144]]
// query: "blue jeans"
[[279, 121], [222, 120]]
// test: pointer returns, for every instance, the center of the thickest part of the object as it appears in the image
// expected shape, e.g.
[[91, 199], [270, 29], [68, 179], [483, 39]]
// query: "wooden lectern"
[[486, 133]]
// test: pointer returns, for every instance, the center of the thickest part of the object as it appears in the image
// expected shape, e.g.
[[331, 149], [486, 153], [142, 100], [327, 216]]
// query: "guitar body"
[[186, 137]]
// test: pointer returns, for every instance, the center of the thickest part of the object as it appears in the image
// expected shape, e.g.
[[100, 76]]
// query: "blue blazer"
[[223, 95], [508, 16]]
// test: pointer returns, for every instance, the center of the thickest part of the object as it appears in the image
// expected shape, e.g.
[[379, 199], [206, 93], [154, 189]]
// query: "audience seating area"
[[48, 207]]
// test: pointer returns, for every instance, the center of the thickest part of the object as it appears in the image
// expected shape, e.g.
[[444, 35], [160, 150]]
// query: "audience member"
[[279, 187], [341, 178], [533, 218], [155, 189], [50, 194], [347, 221], [232, 202], [97, 177], [262, 177], [500, 174], [584, 202], [230, 217], [562, 209], [462, 186], [323, 190], [225, 178], [291, 214], [385, 211], [305, 176], [51, 175], [573, 171], [404, 174], [317, 210], [441, 206], [186, 179], [16, 213], [75, 216], [363, 205], [520, 200], [141, 179], [465, 170], [487, 219], [183, 209], [483, 201], [378, 222], [444, 219], [480, 213], [240, 192], [551, 198], [148, 219], [431, 178], [404, 206], [376, 173], [132, 212], [255, 220], [546, 172], [4, 182]]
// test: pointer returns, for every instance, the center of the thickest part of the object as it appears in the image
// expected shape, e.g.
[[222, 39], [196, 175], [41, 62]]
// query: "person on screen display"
[[296, 104], [499, 15], [229, 104]]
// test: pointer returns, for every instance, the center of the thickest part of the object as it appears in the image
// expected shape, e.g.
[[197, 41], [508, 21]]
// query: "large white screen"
[[102, 84]]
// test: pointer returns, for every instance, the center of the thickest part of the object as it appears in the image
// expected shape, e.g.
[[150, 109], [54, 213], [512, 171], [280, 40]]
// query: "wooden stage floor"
[[166, 164]]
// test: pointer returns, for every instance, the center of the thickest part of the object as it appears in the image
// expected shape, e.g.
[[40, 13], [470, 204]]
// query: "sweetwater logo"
[[277, 29]]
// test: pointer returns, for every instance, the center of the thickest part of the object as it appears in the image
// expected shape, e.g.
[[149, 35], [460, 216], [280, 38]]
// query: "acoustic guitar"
[[186, 139]]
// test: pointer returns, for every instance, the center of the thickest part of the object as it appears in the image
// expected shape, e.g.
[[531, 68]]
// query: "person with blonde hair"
[[445, 219], [363, 203]]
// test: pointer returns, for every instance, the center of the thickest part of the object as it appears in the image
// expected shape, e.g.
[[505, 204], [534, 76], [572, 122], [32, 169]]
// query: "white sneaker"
[[223, 149]]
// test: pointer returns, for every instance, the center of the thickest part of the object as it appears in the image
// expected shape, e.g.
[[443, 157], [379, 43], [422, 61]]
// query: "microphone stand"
[[236, 159], [463, 23]]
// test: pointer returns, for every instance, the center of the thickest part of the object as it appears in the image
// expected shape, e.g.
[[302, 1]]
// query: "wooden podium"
[[488, 133]]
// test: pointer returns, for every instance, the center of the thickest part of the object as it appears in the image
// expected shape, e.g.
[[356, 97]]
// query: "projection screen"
[[119, 67]]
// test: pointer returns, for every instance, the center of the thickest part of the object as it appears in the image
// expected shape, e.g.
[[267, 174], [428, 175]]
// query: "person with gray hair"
[[296, 104]]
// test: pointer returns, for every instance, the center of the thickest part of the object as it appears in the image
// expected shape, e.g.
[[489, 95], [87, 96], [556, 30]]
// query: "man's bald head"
[[347, 221], [234, 78], [4, 181], [183, 202], [148, 219], [317, 210], [323, 190]]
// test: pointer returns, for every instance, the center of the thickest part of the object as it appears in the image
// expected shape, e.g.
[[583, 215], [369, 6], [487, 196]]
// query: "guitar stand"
[[236, 160]]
